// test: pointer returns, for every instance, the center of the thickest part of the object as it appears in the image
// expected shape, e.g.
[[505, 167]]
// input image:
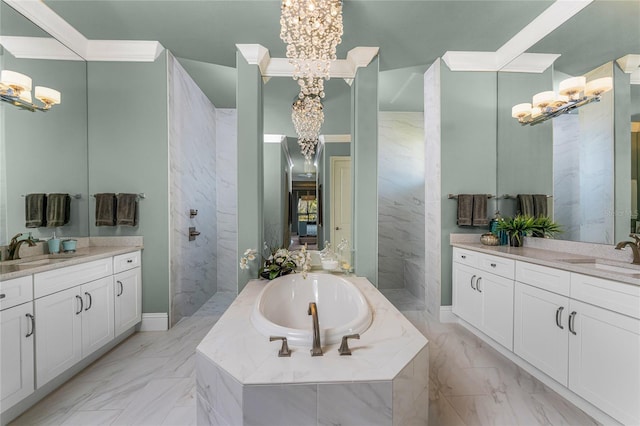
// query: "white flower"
[[243, 263], [251, 256], [247, 252]]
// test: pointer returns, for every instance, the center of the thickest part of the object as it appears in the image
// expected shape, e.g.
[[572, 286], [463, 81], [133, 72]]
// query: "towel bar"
[[140, 195], [455, 196], [76, 196]]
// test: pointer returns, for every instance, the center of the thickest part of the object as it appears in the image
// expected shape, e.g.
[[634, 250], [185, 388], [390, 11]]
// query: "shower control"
[[193, 233], [284, 350]]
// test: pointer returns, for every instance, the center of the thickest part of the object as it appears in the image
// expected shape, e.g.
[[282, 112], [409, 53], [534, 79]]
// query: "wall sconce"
[[15, 88], [573, 93]]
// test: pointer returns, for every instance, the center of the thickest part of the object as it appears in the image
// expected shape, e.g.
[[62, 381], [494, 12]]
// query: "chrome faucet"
[[16, 242], [635, 247], [313, 311]]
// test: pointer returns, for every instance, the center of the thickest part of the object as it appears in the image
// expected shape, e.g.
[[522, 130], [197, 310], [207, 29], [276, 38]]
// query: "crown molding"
[[631, 65], [37, 48], [336, 138], [508, 56], [270, 138], [123, 50]]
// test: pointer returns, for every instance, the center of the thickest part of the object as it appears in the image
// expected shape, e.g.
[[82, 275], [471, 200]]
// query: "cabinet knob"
[[493, 265], [463, 256], [129, 260]]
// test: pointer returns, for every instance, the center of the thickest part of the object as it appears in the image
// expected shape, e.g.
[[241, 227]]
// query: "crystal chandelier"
[[311, 29], [308, 147], [307, 116]]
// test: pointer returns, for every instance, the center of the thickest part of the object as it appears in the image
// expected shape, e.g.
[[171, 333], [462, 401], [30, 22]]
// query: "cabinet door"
[[604, 361], [16, 354], [467, 301], [497, 308], [59, 333], [128, 303], [537, 336], [97, 315]]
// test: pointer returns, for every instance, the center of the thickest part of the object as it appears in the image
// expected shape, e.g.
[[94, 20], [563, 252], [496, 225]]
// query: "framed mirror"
[[42, 152]]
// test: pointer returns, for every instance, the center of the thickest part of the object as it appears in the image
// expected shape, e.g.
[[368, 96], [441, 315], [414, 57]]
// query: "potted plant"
[[544, 227], [516, 228]]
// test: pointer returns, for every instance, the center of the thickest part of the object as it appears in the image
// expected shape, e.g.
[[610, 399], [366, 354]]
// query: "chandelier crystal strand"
[[308, 147], [307, 115], [312, 29]]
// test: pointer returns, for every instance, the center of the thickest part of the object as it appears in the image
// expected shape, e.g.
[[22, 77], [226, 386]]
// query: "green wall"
[[250, 158], [525, 153], [273, 208], [128, 152], [468, 150]]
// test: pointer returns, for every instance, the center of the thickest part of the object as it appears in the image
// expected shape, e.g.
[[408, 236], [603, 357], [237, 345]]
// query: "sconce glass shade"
[[47, 96], [560, 101], [15, 80], [572, 86], [543, 99], [598, 86], [521, 110], [536, 112], [26, 96]]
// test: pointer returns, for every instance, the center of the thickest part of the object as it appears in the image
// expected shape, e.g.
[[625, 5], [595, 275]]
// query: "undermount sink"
[[46, 261], [604, 265]]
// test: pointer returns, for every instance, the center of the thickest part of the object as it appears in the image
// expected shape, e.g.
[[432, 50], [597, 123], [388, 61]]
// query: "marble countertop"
[[380, 354], [560, 260], [13, 269]]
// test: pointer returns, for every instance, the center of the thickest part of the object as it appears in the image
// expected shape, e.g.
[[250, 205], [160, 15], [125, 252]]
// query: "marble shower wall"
[[432, 197], [401, 201], [192, 175], [226, 202]]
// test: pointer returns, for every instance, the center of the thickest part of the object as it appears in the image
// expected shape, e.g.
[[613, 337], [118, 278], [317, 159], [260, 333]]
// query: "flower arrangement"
[[279, 261], [522, 225]]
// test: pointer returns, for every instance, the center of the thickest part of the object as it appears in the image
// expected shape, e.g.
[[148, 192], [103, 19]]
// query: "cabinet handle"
[[90, 301], [571, 322], [559, 317], [2, 296], [129, 260], [478, 284], [472, 278], [33, 325], [493, 265], [121, 288], [81, 304], [463, 256]]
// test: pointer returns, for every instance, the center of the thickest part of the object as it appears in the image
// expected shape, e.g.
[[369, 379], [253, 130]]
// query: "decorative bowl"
[[489, 239]]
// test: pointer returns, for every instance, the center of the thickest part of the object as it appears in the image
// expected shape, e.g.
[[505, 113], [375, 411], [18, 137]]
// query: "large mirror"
[[42, 152], [299, 199], [583, 161]]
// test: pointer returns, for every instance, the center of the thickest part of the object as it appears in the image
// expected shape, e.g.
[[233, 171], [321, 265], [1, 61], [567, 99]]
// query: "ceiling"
[[410, 34]]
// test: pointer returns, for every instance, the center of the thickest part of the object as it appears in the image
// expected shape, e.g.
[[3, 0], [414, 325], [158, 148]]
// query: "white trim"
[[154, 322], [447, 315], [270, 138], [37, 48], [631, 65], [550, 19], [531, 62], [123, 50], [336, 138]]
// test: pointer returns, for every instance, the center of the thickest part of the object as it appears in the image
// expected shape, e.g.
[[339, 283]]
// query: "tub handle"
[[344, 347], [284, 350]]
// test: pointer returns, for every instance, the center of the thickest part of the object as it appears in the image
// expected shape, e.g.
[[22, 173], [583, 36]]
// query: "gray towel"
[[126, 212], [465, 209], [106, 209], [35, 206], [480, 210], [525, 204], [58, 209], [540, 205]]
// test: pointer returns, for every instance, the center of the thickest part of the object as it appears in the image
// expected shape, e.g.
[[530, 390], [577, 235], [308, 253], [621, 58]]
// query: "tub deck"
[[241, 380]]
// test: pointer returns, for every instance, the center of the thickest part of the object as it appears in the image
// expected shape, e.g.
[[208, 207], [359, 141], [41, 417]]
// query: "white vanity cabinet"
[[74, 320], [128, 291], [483, 293], [17, 333]]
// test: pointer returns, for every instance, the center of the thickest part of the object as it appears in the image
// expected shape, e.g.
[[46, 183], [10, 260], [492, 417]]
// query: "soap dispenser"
[[54, 244]]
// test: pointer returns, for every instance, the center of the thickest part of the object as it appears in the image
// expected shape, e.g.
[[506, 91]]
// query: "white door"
[[340, 200], [128, 306], [604, 360], [16, 354], [497, 307], [97, 314], [467, 301], [58, 334], [540, 330]]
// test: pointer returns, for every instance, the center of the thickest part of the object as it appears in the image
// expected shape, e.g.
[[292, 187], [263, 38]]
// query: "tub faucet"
[[635, 247], [16, 242], [313, 311]]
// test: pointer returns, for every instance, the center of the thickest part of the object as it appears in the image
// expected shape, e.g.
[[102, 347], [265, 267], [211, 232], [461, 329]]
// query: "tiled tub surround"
[[572, 325], [241, 380]]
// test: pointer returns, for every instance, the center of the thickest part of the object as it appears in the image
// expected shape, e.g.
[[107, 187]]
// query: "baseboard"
[[154, 322], [447, 315]]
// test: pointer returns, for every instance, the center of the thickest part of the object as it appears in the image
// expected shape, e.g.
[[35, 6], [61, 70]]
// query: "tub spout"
[[313, 311]]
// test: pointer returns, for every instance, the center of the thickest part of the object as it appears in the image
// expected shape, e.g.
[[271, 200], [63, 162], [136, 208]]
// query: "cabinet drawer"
[[465, 257], [550, 279], [616, 296], [124, 262], [497, 265], [16, 291], [60, 279]]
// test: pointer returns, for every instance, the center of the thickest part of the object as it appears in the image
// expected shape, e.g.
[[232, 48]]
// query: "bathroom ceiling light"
[[15, 88], [307, 115], [311, 29], [574, 92]]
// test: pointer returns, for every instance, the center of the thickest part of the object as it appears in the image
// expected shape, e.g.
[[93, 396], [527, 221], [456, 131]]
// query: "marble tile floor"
[[149, 380]]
